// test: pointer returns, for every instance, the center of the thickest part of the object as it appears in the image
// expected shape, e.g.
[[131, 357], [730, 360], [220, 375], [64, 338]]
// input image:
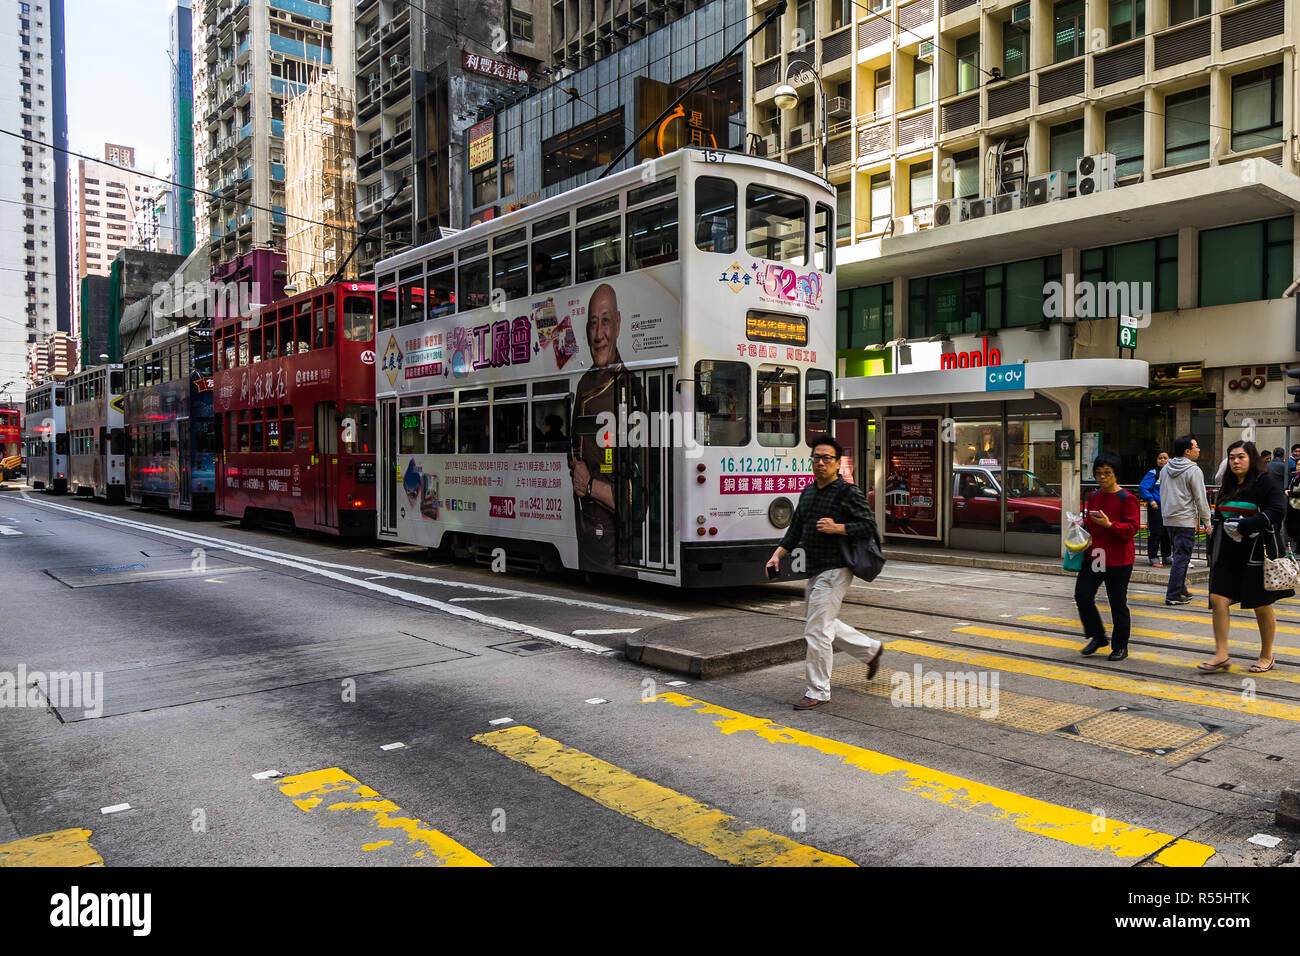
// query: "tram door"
[[327, 465], [389, 478], [644, 471], [184, 459]]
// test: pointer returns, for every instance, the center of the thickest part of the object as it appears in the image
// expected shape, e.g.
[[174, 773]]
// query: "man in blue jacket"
[[1149, 491]]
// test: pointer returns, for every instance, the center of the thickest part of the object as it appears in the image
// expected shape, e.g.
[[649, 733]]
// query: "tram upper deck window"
[[824, 239], [778, 406], [410, 307], [440, 287], [387, 298], [599, 246], [553, 262], [358, 319], [776, 225], [652, 235], [510, 270], [715, 215], [722, 403], [473, 285]]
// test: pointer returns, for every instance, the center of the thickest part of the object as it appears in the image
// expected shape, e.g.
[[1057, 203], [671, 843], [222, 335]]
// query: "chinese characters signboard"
[[482, 139], [490, 67]]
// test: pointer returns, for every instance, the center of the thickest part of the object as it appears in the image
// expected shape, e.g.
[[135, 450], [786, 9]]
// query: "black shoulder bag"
[[863, 554]]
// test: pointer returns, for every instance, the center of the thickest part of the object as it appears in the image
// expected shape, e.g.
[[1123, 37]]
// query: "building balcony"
[[875, 137]]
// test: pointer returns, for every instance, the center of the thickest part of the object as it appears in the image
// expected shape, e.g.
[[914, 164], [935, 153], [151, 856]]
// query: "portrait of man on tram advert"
[[603, 490]]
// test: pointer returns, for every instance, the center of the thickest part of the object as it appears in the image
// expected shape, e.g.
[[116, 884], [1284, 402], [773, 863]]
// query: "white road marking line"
[[310, 567], [916, 632], [1265, 840], [266, 774], [115, 808], [396, 746], [596, 700], [463, 600], [607, 630], [677, 683], [501, 720], [254, 551], [10, 531]]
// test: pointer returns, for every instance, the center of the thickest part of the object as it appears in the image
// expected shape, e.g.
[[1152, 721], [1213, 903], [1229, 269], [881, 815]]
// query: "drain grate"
[[525, 648]]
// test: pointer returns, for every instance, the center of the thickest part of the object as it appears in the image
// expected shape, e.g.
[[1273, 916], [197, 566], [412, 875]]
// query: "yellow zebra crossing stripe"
[[60, 848], [1100, 679], [1202, 619], [379, 822], [675, 814], [1056, 822], [1160, 599], [1279, 650]]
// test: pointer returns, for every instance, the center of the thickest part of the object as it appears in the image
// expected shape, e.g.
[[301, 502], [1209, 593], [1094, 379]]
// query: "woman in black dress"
[[1248, 516]]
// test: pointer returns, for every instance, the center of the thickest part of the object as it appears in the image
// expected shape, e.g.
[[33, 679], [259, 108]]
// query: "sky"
[[118, 77]]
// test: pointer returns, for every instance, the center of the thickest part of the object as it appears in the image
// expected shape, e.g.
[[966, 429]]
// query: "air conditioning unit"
[[925, 52], [318, 25], [1045, 188], [801, 135], [1007, 202], [277, 57], [1012, 167], [904, 224], [1095, 173], [838, 106], [772, 144], [397, 62], [950, 211], [924, 218], [979, 208]]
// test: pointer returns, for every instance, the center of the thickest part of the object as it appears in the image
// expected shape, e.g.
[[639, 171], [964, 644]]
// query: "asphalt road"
[[269, 698]]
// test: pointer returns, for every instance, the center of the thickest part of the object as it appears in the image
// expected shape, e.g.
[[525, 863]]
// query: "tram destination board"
[[772, 327]]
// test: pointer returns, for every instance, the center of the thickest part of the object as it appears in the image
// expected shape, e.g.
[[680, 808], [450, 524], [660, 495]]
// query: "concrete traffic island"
[[713, 646]]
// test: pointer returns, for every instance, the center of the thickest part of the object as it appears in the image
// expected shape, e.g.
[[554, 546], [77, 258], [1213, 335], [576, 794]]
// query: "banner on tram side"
[[625, 318], [285, 380]]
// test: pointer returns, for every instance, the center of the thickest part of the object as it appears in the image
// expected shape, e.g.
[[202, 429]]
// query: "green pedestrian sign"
[[1128, 333]]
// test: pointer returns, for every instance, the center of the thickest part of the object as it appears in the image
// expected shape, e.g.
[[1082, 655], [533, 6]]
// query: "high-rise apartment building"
[[1007, 169], [33, 177], [181, 82], [106, 201], [250, 56]]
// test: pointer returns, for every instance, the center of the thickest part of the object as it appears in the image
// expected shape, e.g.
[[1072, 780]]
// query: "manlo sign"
[[973, 359], [1004, 378]]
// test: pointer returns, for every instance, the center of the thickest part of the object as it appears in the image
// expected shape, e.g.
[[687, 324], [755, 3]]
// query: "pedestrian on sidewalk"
[[1248, 516], [828, 509], [1157, 539], [1113, 519], [1293, 510], [1277, 466], [1186, 508]]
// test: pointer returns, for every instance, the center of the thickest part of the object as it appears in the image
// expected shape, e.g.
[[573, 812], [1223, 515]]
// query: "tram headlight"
[[780, 512]]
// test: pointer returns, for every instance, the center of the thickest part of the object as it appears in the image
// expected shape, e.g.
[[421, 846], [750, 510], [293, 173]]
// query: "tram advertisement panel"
[[912, 477], [568, 493]]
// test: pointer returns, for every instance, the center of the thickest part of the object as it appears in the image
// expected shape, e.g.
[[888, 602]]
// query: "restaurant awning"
[[997, 382]]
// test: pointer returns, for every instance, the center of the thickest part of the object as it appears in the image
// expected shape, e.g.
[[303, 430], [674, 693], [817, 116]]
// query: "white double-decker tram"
[[96, 438], [621, 379]]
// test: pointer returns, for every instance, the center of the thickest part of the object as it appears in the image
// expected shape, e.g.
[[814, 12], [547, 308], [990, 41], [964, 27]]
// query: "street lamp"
[[290, 288], [787, 98]]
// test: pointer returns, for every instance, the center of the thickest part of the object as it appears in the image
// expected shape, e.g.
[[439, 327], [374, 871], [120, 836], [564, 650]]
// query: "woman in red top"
[[1113, 520]]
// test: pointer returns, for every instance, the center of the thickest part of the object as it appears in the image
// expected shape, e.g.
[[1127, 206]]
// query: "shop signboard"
[[912, 487]]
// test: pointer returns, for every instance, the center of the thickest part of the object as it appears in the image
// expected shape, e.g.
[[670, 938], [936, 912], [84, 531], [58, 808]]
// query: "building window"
[[485, 185], [921, 186], [1068, 30], [994, 297], [864, 316], [966, 171], [1257, 108], [1180, 11], [521, 26], [1015, 48], [1245, 263], [1147, 270], [968, 63], [884, 97], [1187, 127], [1127, 19], [772, 39], [1066, 146], [920, 83], [806, 22], [592, 145], [508, 176], [843, 213], [881, 202], [1124, 139], [841, 13]]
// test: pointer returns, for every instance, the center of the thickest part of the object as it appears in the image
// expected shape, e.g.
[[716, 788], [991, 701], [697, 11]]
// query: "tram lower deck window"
[[551, 425], [509, 431], [778, 406], [441, 431], [722, 403]]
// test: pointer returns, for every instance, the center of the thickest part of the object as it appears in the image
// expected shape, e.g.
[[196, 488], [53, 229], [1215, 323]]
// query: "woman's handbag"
[[1077, 542], [1280, 573], [863, 554]]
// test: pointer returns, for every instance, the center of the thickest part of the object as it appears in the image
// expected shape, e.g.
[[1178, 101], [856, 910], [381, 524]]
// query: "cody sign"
[[1004, 378]]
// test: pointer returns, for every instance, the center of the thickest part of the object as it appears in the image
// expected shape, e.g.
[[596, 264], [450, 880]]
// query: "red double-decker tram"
[[294, 396], [11, 441]]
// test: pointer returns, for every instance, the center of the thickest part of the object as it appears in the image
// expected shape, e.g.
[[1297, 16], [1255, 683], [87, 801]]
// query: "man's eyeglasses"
[[825, 457]]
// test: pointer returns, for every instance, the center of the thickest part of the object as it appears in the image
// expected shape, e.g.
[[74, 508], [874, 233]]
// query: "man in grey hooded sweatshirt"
[[1185, 507]]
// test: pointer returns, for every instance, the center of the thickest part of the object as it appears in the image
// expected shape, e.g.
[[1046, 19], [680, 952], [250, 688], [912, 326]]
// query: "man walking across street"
[[1157, 540], [1182, 496], [829, 507]]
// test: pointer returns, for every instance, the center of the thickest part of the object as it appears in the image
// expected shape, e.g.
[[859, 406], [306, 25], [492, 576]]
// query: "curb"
[[1288, 808], [704, 665], [1145, 576]]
